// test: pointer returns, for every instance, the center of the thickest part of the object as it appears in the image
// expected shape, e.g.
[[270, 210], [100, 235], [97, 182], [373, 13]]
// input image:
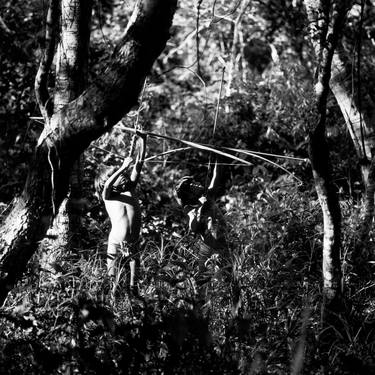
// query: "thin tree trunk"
[[360, 253], [42, 95], [326, 23], [68, 133], [326, 20], [233, 53]]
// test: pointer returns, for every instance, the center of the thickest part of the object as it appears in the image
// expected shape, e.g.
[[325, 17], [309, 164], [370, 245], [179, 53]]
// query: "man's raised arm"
[[136, 172]]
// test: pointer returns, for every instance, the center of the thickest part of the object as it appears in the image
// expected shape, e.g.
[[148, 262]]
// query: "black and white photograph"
[[187, 187]]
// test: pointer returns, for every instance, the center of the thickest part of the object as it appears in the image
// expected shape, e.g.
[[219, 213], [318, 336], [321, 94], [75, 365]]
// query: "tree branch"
[[117, 88], [69, 132], [4, 28]]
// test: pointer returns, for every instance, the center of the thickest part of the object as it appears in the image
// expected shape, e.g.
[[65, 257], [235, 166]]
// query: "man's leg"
[[133, 265], [111, 258], [133, 270], [203, 277]]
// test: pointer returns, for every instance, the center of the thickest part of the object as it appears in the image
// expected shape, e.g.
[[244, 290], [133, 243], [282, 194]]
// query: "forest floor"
[[66, 320]]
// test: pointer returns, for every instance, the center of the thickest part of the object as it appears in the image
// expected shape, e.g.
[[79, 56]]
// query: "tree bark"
[[355, 98], [41, 79], [71, 78], [359, 118], [73, 51], [71, 130], [326, 22]]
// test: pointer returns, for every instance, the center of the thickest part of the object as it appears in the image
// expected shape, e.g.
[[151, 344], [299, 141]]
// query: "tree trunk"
[[233, 53], [71, 130], [71, 77], [73, 51], [358, 108], [360, 121], [326, 22]]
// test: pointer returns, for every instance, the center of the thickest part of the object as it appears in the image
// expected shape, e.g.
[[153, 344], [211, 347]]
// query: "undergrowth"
[[68, 321]]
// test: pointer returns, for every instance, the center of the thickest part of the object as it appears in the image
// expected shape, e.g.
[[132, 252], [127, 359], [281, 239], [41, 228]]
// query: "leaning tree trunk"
[[71, 77], [358, 109], [355, 99], [71, 130]]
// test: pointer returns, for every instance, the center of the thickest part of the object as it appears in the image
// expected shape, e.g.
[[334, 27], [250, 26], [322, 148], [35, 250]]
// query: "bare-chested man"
[[122, 205], [205, 219]]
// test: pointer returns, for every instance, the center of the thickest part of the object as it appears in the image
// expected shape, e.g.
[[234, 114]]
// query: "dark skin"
[[207, 219], [122, 205]]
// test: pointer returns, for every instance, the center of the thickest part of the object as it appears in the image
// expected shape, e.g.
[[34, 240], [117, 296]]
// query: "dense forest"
[[187, 187]]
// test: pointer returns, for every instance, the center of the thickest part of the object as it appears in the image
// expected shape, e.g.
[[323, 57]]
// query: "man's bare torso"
[[125, 214]]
